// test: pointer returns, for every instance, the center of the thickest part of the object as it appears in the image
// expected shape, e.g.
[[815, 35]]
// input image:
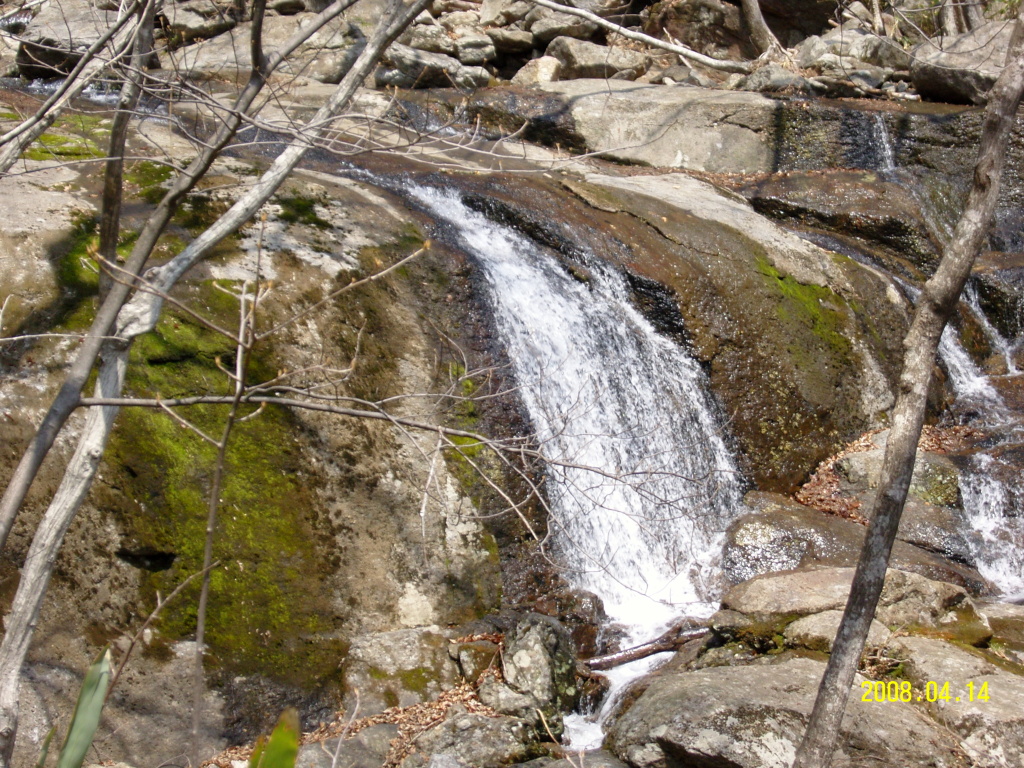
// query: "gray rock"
[[992, 731], [1007, 622], [510, 39], [963, 68], [503, 12], [474, 48], [399, 668], [772, 78], [477, 740], [935, 479], [546, 25], [583, 59], [595, 758], [199, 18], [818, 631], [546, 69], [602, 7], [55, 40], [671, 127], [467, 21], [783, 535], [755, 716], [432, 38], [367, 749], [323, 57], [539, 661], [508, 701], [906, 600], [406, 67]]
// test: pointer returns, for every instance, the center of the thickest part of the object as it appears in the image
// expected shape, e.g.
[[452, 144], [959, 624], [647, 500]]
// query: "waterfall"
[[886, 154], [1000, 343], [640, 483]]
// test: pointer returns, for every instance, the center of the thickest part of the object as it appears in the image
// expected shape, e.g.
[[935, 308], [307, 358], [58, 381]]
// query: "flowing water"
[[640, 482]]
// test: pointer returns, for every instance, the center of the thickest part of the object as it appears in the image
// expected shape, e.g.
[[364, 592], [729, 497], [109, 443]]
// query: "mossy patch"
[[148, 179], [298, 209], [812, 306], [266, 610], [62, 147]]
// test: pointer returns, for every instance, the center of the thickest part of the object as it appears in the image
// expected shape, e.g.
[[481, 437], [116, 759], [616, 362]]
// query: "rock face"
[[472, 739], [367, 749], [755, 716], [331, 548], [907, 600], [782, 535], [963, 69], [736, 304], [582, 59], [400, 668]]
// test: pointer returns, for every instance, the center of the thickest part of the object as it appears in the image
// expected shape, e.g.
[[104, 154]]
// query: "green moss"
[[51, 146], [266, 609], [297, 209], [417, 680], [812, 306], [148, 178]]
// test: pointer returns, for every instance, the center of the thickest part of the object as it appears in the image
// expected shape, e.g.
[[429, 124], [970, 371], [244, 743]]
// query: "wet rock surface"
[[782, 534]]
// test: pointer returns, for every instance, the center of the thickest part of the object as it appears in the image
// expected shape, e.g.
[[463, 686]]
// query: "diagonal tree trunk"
[[137, 317], [936, 304]]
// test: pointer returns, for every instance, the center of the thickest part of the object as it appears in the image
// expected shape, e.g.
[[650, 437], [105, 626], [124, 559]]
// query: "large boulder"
[[197, 19], [399, 668], [962, 69], [755, 717], [324, 57], [580, 58], [366, 749], [907, 600], [470, 739], [56, 39], [546, 25], [781, 534], [405, 67], [711, 27], [983, 701]]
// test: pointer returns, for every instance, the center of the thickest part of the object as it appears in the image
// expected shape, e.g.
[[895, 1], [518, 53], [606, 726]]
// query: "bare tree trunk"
[[950, 18], [763, 38], [113, 177], [936, 304], [878, 26]]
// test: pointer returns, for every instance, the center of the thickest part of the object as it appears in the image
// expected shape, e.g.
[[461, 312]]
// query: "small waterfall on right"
[[990, 482]]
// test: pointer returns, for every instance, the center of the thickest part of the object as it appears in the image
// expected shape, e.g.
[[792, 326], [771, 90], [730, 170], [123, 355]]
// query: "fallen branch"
[[680, 50], [672, 640]]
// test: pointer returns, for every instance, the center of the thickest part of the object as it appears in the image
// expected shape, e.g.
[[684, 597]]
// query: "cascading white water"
[[993, 499], [641, 484], [1005, 347], [885, 148]]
